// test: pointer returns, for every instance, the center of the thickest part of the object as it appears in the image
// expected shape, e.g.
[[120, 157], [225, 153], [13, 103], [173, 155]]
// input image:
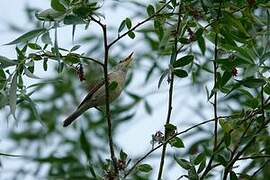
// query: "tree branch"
[[215, 66], [173, 57], [107, 95]]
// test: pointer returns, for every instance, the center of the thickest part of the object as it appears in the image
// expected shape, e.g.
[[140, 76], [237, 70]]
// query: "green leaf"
[[56, 5], [180, 73], [30, 74], [2, 79], [221, 160], [174, 3], [134, 96], [34, 46], [45, 64], [251, 82], [33, 107], [122, 26], [183, 61], [73, 19], [123, 155], [85, 145], [233, 176], [192, 174], [150, 10], [13, 95], [74, 48], [201, 43], [148, 108], [11, 155], [6, 62], [227, 139], [46, 39], [128, 23], [28, 36], [202, 166], [170, 128], [50, 15], [177, 142], [184, 40], [144, 168], [226, 126], [225, 78], [131, 35], [199, 33], [199, 158], [72, 58], [92, 171], [236, 22], [183, 163], [163, 75], [85, 10], [266, 89]]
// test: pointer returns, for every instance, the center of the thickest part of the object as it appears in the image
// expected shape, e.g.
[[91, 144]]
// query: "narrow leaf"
[[150, 10], [122, 26], [183, 61], [6, 62], [163, 75], [131, 35], [56, 5], [252, 82], [128, 23], [144, 168], [27, 36], [46, 39], [13, 95], [180, 73]]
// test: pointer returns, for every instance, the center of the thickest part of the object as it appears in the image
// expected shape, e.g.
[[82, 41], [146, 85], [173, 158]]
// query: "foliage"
[[222, 44]]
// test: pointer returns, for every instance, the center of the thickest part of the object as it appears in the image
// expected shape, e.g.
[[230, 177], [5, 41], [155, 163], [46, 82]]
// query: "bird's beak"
[[128, 59]]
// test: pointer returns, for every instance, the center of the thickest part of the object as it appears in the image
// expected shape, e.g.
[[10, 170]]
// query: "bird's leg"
[[98, 108]]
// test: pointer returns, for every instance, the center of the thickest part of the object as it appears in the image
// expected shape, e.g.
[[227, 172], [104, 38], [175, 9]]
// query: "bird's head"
[[125, 63]]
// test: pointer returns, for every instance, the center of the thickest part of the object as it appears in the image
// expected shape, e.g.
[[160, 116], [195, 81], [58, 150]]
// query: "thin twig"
[[262, 104], [255, 157], [173, 57], [215, 97], [258, 170], [215, 79], [61, 56], [139, 24]]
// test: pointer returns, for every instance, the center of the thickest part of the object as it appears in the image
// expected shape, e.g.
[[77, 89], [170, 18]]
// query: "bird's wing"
[[92, 90]]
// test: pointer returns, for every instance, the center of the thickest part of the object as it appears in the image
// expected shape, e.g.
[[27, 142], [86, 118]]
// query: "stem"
[[262, 104], [215, 81], [215, 105], [107, 94], [167, 122], [139, 24], [173, 57]]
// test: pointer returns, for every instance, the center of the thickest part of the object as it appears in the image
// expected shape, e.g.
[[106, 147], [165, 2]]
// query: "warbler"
[[96, 96]]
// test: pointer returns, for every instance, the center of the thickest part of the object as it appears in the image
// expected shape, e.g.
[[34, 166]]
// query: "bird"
[[96, 95]]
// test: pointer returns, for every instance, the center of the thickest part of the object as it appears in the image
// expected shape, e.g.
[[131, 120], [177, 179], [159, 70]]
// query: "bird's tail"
[[72, 117]]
